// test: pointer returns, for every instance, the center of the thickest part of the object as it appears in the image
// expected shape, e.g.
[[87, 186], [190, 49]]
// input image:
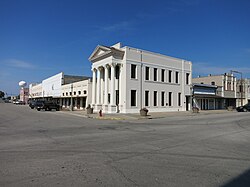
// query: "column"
[[102, 84], [235, 87], [120, 84], [106, 85], [94, 87], [112, 90], [226, 88], [98, 86]]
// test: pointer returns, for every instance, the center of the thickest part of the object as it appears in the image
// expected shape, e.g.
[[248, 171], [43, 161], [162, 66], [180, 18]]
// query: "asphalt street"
[[57, 149]]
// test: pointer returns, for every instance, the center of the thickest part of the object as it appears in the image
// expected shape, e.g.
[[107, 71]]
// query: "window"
[[170, 98], [162, 98], [176, 77], [179, 99], [162, 75], [169, 76], [241, 88], [155, 98], [187, 78], [108, 97], [84, 92], [70, 93], [79, 92], [146, 97], [133, 71], [133, 97], [147, 73], [213, 83], [74, 93], [63, 94], [66, 93], [155, 74]]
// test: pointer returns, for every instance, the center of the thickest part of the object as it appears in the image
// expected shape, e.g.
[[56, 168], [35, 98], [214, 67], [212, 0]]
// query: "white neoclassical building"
[[126, 79]]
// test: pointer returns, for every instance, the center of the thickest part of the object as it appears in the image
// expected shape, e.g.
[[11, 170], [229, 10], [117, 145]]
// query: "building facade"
[[24, 95], [226, 89], [35, 90], [243, 92], [126, 80], [77, 95], [205, 97], [66, 90]]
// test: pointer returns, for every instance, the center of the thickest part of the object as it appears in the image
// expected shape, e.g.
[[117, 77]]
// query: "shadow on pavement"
[[239, 181]]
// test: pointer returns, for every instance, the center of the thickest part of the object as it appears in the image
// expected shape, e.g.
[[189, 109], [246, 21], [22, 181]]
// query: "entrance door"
[[187, 103], [117, 100], [78, 103]]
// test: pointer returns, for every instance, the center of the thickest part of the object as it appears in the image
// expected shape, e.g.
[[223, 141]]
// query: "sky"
[[40, 38]]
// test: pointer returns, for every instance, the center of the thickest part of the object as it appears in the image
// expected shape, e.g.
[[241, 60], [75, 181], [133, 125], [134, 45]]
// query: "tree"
[[2, 94]]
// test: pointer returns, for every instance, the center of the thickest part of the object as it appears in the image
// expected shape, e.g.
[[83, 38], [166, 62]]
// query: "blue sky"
[[39, 38]]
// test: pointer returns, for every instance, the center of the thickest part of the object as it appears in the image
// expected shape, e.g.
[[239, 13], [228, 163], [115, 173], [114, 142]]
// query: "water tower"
[[22, 84]]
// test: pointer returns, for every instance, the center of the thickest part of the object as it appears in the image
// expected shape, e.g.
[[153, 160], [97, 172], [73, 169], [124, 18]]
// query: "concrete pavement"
[[136, 116], [52, 148]]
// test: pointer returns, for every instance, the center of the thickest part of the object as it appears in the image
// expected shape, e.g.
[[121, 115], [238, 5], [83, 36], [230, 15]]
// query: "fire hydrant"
[[100, 113]]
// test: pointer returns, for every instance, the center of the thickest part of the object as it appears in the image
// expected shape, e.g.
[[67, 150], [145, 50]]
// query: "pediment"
[[103, 52], [99, 52]]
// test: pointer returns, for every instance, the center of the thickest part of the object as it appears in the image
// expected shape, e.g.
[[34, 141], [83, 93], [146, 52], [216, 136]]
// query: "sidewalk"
[[136, 116]]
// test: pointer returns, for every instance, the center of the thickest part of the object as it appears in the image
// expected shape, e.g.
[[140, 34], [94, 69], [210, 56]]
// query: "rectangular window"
[[146, 97], [147, 73], [179, 99], [241, 88], [133, 97], [176, 77], [155, 74], [162, 75], [187, 78], [108, 97], [155, 98], [169, 76], [162, 98], [133, 71], [170, 98]]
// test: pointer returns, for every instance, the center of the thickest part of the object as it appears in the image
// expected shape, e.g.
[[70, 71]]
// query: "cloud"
[[18, 64], [206, 69]]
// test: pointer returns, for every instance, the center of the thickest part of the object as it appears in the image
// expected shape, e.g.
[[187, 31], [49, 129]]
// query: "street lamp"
[[241, 86]]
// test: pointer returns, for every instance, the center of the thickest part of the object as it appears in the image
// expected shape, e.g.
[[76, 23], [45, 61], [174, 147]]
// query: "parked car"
[[19, 102], [32, 104], [244, 108], [46, 105], [7, 101]]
